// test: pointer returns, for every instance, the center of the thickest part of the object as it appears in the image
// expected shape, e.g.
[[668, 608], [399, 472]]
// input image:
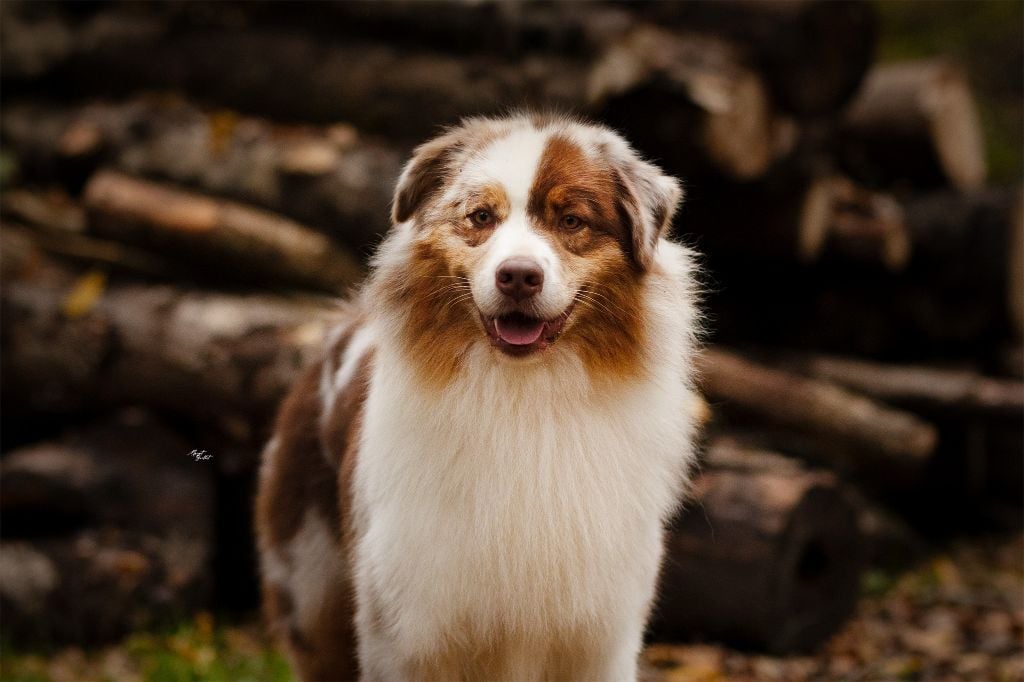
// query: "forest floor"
[[957, 616]]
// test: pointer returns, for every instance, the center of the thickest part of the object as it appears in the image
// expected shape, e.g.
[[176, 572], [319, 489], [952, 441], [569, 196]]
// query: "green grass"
[[197, 650]]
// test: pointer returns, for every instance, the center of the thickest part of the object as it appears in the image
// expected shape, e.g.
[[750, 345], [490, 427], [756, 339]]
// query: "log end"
[[767, 559], [819, 570], [956, 128]]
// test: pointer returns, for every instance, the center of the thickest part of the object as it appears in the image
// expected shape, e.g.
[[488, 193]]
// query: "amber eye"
[[571, 223], [482, 218]]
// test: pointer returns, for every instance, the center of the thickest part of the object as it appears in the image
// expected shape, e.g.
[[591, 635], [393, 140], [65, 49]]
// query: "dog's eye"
[[571, 223], [482, 218]]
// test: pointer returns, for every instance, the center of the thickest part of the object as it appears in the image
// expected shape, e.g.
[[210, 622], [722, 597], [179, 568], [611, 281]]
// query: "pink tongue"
[[518, 332]]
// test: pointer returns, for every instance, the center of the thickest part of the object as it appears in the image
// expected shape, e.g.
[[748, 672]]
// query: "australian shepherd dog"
[[473, 482]]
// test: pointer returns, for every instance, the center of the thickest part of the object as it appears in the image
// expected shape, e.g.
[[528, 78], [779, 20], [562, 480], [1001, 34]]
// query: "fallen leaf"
[[84, 294]]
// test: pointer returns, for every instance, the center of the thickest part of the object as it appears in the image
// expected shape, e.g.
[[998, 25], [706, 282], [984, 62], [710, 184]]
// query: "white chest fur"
[[518, 501]]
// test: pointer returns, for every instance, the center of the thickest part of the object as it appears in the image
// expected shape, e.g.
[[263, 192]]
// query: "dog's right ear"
[[423, 176]]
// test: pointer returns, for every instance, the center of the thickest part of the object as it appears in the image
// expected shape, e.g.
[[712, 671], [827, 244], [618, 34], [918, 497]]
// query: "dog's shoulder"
[[315, 433]]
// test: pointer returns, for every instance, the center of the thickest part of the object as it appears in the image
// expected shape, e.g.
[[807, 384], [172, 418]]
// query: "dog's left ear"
[[423, 176], [648, 200]]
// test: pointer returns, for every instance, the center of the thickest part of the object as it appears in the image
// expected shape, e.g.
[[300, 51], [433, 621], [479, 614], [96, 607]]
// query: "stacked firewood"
[[188, 188]]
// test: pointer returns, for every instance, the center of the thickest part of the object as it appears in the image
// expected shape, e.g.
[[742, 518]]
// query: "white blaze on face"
[[511, 163]]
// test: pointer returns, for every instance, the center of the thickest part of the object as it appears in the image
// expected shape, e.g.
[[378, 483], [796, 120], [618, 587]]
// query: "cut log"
[[764, 554], [700, 94], [85, 250], [820, 420], [512, 28], [737, 133], [202, 354], [969, 248], [374, 85], [945, 224], [980, 421], [802, 219], [915, 122], [866, 226], [813, 54], [889, 542], [54, 211], [98, 585], [106, 529], [129, 471], [252, 244], [920, 388], [954, 298], [328, 177]]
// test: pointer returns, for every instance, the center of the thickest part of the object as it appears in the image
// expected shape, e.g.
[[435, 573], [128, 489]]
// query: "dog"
[[473, 482]]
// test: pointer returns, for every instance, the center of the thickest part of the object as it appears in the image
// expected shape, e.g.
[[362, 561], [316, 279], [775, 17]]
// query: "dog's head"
[[527, 232]]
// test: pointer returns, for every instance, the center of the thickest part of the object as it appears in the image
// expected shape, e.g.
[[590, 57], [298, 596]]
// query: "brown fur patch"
[[440, 319], [423, 178], [570, 182], [607, 328], [328, 650], [298, 475]]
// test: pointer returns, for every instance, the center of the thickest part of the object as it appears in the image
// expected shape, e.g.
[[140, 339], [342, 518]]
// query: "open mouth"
[[519, 334]]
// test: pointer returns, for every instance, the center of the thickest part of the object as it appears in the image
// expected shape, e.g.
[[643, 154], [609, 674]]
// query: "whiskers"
[[590, 297], [450, 294]]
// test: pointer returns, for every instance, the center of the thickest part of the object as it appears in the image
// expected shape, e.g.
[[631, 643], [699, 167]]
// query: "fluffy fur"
[[439, 503]]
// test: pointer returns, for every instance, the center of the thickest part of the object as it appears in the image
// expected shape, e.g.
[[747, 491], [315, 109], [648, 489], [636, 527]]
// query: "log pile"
[[188, 187], [114, 529]]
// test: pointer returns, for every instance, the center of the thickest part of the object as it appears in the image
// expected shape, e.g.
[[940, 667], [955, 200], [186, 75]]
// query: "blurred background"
[[188, 186]]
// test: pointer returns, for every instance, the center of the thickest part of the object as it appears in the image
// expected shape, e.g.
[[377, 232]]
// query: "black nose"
[[519, 278]]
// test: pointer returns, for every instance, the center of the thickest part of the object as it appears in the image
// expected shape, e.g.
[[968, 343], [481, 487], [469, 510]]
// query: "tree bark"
[[980, 421], [764, 554]]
